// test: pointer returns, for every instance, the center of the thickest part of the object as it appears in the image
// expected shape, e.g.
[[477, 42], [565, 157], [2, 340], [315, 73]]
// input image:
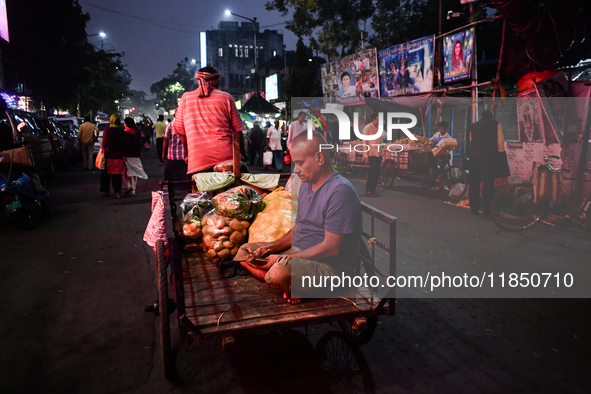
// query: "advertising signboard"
[[352, 77], [457, 56], [3, 21], [407, 68]]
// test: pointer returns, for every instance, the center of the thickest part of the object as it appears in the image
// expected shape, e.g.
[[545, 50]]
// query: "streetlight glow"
[[102, 34], [228, 12]]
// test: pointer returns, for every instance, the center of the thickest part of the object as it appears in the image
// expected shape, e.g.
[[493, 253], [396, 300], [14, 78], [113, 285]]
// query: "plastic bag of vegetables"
[[197, 204], [222, 236], [274, 221], [227, 167], [241, 202], [194, 207]]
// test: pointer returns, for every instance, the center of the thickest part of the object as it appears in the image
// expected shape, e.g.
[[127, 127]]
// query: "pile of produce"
[[227, 167], [222, 236], [194, 207], [241, 202], [420, 140], [274, 221]]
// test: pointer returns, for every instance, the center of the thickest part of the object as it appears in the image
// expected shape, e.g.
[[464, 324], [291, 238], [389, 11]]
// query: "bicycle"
[[452, 179], [514, 208]]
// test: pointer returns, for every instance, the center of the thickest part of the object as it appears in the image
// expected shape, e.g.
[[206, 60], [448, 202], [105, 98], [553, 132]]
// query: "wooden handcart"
[[207, 306], [417, 162]]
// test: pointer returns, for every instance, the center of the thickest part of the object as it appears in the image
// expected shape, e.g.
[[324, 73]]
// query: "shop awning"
[[259, 106]]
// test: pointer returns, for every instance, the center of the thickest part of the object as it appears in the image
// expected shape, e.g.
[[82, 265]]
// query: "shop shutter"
[[507, 115]]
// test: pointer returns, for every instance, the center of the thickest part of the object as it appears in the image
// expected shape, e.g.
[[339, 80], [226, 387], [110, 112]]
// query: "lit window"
[[221, 52], [240, 51], [246, 51], [274, 53], [235, 50]]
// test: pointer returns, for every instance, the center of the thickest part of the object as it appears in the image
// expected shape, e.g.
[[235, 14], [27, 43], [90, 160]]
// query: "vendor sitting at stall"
[[327, 228], [442, 133]]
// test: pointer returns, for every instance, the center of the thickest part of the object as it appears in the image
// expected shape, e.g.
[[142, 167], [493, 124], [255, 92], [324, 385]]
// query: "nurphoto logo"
[[392, 119]]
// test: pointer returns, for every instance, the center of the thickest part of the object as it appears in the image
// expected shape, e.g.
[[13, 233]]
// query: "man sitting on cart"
[[325, 238]]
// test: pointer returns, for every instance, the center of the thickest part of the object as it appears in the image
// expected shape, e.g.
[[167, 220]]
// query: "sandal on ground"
[[129, 190], [241, 271], [227, 268], [118, 195], [105, 194]]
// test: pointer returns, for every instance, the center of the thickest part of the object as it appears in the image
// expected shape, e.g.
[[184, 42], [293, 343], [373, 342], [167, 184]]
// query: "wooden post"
[[236, 155], [579, 185]]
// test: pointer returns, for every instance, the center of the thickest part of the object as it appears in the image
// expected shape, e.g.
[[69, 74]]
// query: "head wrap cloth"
[[207, 81], [115, 121]]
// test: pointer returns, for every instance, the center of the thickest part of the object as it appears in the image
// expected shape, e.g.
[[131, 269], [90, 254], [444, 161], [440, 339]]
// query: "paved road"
[[74, 288]]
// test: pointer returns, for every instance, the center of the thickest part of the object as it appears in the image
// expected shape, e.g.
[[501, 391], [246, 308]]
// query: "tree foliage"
[[337, 23], [49, 57], [169, 89], [302, 76]]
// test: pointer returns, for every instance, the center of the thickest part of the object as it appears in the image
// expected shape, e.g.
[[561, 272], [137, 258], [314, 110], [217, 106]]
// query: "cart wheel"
[[388, 171], [428, 180], [163, 307], [344, 367], [360, 337], [455, 182]]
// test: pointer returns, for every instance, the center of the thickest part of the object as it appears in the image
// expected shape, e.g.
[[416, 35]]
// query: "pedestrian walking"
[[374, 156], [133, 163], [174, 155], [256, 144], [206, 120], [146, 131], [114, 148], [296, 128], [274, 143], [87, 135], [159, 128], [486, 139]]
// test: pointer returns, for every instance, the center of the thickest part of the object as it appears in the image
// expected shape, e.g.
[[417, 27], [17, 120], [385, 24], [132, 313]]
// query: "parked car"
[[69, 126], [69, 138], [26, 132], [101, 126], [57, 141], [66, 120]]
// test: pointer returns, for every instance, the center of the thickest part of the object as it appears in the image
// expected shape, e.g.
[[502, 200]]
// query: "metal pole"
[[474, 74], [256, 51], [440, 17]]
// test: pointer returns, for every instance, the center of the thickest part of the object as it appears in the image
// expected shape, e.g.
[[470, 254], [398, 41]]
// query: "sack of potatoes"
[[222, 236]]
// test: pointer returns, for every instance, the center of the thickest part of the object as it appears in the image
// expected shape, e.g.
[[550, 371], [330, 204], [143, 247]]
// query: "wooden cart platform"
[[219, 307], [208, 306]]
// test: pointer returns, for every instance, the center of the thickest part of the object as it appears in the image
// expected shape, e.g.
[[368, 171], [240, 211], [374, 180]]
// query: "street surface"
[[74, 289]]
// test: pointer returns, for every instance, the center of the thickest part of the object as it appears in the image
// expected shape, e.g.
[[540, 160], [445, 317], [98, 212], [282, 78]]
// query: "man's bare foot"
[[287, 296], [256, 272]]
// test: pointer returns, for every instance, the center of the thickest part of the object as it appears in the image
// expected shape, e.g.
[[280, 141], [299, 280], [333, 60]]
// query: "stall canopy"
[[259, 106], [247, 117]]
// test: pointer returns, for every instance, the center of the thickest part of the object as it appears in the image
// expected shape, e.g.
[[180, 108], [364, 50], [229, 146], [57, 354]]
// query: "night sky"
[[156, 34]]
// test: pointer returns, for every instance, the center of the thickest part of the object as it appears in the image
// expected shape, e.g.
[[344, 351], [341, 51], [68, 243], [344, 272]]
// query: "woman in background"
[[133, 163], [113, 148]]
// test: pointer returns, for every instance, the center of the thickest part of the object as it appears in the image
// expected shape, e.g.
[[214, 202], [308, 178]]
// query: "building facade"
[[231, 49]]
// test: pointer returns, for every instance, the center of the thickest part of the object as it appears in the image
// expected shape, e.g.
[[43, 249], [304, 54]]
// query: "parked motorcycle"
[[23, 197]]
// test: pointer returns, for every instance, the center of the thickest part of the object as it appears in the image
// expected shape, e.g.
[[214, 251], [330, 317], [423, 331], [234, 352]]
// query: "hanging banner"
[[530, 122], [407, 68], [457, 56], [351, 78]]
